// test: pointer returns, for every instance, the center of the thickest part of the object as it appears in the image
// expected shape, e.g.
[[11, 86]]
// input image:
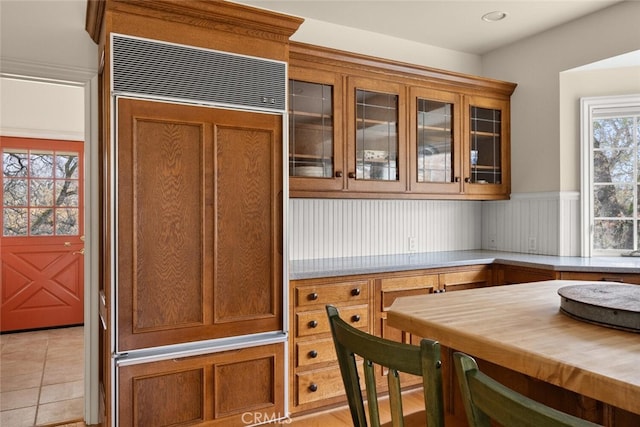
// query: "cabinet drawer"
[[395, 287], [510, 275], [356, 291], [316, 321], [458, 280], [318, 385], [316, 351], [601, 277]]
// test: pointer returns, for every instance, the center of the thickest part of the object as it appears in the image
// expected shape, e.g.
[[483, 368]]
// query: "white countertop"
[[331, 267]]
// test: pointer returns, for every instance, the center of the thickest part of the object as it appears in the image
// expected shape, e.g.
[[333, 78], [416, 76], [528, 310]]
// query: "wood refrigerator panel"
[[238, 387], [199, 214]]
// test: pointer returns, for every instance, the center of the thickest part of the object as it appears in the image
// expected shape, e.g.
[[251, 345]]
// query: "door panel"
[[236, 388], [199, 206], [42, 267]]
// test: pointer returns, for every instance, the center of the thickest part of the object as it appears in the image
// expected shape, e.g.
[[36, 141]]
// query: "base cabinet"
[[315, 380], [239, 387], [314, 373], [510, 274]]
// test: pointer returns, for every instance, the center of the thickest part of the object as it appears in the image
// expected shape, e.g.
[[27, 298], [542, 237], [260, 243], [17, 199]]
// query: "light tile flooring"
[[41, 377]]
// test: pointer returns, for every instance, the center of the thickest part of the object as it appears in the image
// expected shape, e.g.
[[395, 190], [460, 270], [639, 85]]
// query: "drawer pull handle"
[[313, 387], [355, 292], [313, 324], [313, 354], [355, 318], [313, 296]]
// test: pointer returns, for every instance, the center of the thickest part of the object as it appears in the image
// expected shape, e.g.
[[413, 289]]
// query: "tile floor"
[[41, 377]]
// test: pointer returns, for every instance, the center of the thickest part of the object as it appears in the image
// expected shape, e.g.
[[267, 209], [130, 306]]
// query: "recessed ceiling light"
[[494, 16]]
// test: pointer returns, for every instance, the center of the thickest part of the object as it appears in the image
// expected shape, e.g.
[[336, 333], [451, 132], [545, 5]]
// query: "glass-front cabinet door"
[[435, 147], [376, 137], [315, 157], [487, 150]]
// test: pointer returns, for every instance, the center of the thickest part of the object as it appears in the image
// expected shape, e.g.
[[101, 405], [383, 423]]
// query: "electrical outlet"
[[532, 244], [493, 242], [412, 244]]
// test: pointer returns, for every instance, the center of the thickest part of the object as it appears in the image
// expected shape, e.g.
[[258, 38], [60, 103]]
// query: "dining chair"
[[486, 399], [354, 346]]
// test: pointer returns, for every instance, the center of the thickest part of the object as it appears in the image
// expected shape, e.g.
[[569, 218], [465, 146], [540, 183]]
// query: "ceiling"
[[52, 32], [453, 24]]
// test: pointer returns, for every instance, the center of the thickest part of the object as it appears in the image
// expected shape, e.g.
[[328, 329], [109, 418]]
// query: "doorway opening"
[[63, 352]]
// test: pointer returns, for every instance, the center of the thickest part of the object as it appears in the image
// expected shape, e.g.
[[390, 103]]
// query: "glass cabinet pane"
[[486, 145], [376, 136], [434, 141], [310, 129]]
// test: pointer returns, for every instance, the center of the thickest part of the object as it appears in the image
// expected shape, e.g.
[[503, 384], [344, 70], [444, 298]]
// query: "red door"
[[42, 241]]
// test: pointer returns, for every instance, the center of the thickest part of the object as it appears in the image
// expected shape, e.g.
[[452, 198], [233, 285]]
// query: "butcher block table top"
[[521, 328]]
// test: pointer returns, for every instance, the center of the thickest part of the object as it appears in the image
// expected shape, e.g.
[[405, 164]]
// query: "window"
[[40, 192], [610, 175]]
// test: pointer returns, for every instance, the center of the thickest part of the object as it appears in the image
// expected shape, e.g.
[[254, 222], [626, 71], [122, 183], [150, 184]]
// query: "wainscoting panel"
[[328, 228], [538, 223]]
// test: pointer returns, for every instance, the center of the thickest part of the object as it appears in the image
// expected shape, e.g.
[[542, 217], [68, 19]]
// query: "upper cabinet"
[[362, 127], [435, 142], [315, 126], [487, 146], [376, 152]]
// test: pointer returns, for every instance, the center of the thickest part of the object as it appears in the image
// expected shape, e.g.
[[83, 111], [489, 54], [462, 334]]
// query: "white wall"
[[37, 109], [575, 85], [381, 46], [535, 64]]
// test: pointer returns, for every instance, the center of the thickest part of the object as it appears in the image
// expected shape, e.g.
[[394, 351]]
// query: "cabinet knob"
[[355, 292], [352, 175], [313, 296], [355, 318], [313, 324], [457, 179], [338, 174], [313, 354], [313, 387], [467, 179]]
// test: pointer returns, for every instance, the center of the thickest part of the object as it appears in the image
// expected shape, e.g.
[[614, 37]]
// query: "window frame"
[[591, 108]]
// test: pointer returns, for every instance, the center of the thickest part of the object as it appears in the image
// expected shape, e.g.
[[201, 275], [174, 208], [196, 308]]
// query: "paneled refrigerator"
[[196, 204]]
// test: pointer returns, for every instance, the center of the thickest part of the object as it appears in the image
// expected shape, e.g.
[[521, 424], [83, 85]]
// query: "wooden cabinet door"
[[435, 155], [316, 161], [487, 153], [376, 135], [199, 223]]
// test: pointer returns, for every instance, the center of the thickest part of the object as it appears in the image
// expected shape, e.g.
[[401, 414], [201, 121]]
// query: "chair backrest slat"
[[486, 399], [422, 361]]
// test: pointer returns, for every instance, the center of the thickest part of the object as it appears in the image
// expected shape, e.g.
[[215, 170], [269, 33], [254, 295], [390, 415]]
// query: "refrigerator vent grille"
[[152, 68]]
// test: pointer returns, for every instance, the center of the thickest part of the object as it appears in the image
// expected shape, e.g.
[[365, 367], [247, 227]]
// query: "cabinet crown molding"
[[301, 53], [231, 17]]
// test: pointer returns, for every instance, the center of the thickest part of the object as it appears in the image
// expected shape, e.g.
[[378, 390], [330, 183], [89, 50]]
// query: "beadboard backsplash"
[[538, 223], [542, 223], [328, 228]]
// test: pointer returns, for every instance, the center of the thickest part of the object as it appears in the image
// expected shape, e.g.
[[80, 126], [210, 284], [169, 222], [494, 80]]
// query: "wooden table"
[[519, 327]]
